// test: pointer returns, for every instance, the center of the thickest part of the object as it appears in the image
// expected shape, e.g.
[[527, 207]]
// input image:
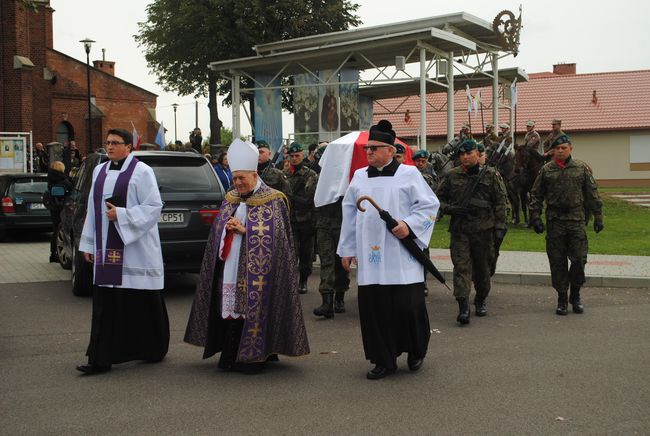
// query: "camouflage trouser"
[[566, 241], [303, 238], [333, 278], [472, 255]]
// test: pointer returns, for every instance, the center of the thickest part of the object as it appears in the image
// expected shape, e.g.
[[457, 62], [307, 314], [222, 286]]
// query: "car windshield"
[[28, 186], [182, 174]]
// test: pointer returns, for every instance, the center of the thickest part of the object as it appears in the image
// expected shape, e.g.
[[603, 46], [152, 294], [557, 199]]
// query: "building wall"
[[120, 102], [608, 154]]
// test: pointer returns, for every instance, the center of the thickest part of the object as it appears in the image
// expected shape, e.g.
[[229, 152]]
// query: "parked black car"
[[191, 195], [22, 203]]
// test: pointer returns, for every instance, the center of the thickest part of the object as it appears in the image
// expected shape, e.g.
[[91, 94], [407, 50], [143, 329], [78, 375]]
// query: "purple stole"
[[109, 261]]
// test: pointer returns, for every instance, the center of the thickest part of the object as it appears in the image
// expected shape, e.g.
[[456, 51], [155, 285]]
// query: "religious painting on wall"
[[328, 97], [305, 108], [349, 93], [365, 112], [268, 112]]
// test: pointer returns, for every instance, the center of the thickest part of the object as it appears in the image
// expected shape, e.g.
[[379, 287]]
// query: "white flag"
[[469, 99], [513, 94]]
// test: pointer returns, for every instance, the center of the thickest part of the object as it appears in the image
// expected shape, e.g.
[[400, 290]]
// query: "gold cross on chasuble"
[[260, 228], [114, 256]]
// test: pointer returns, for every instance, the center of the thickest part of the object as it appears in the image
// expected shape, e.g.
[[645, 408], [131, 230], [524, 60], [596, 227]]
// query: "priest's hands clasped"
[[235, 226]]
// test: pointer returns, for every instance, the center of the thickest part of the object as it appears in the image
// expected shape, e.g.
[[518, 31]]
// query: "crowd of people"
[[261, 248]]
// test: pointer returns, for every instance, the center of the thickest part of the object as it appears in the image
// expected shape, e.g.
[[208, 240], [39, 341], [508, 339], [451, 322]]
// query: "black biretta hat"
[[382, 132]]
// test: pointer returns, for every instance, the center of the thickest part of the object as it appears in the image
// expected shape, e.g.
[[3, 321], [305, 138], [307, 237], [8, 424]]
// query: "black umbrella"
[[408, 243]]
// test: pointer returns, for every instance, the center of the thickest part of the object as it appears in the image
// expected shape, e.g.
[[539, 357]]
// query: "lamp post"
[[175, 105], [87, 43]]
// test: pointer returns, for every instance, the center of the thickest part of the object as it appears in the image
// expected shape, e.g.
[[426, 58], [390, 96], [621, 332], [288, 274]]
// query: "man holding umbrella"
[[392, 309]]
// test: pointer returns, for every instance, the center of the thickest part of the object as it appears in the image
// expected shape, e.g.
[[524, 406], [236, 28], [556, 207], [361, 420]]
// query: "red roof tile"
[[622, 103]]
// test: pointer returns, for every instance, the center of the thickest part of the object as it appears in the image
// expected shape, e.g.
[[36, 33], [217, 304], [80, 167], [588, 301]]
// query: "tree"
[[181, 37]]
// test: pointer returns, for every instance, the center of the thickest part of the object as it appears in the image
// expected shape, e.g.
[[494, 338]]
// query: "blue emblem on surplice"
[[375, 254]]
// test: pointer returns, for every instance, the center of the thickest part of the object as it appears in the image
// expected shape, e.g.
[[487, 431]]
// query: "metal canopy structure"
[[442, 46]]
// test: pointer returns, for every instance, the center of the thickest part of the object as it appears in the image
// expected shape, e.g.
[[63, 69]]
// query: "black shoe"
[[379, 372], [54, 258], [339, 303], [302, 289], [414, 362], [481, 307], [562, 303], [574, 299], [327, 308], [273, 358], [93, 369], [463, 311]]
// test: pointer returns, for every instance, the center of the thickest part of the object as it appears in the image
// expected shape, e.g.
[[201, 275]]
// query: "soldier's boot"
[[463, 311], [481, 306], [327, 308], [574, 299], [339, 303], [562, 303], [302, 289]]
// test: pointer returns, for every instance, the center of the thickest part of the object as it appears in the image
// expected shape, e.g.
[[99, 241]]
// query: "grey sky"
[[598, 38]]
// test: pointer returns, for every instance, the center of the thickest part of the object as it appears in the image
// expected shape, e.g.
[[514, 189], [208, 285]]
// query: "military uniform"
[[533, 141], [473, 233], [273, 177], [552, 137], [570, 193], [334, 280], [302, 187], [491, 140]]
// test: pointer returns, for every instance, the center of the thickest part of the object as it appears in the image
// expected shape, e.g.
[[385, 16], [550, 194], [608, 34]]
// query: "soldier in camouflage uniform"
[[334, 280], [474, 228], [570, 192], [491, 140], [421, 160], [302, 187], [270, 175], [556, 132]]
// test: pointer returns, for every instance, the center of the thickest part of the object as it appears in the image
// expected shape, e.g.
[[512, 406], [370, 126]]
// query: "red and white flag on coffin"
[[340, 160]]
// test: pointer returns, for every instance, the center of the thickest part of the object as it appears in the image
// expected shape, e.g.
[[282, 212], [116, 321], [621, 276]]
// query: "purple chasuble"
[[109, 260]]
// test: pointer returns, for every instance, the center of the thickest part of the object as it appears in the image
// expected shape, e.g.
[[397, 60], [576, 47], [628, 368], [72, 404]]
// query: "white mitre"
[[242, 156]]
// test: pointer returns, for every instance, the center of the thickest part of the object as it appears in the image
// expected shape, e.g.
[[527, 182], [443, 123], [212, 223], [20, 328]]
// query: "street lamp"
[[87, 43], [175, 105]]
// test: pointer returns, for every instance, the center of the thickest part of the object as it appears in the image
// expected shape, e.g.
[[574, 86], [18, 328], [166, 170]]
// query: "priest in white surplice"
[[392, 310], [120, 238]]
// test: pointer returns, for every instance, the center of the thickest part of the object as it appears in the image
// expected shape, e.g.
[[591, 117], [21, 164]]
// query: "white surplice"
[[137, 225], [381, 258], [231, 264]]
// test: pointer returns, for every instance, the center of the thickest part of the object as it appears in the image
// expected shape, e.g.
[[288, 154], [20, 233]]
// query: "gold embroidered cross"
[[259, 283], [260, 228], [255, 330], [114, 256]]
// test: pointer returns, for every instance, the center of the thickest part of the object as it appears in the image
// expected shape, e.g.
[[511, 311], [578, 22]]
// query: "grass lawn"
[[627, 230]]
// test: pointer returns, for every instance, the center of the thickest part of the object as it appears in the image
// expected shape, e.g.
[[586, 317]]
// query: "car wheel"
[[64, 259], [82, 275]]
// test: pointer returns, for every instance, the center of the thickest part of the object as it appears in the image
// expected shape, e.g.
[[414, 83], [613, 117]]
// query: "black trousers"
[[394, 320], [127, 324]]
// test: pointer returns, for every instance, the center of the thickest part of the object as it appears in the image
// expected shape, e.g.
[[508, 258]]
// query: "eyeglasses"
[[373, 147], [113, 143]]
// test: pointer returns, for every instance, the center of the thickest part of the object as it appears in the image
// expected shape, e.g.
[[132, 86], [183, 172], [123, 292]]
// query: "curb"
[[544, 279]]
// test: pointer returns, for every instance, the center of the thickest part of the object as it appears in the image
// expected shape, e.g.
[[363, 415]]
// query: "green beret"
[[294, 147], [262, 144], [467, 145], [562, 139], [421, 154]]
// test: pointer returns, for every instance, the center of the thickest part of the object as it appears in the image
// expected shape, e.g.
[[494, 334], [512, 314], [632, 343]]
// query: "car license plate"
[[171, 217], [35, 206]]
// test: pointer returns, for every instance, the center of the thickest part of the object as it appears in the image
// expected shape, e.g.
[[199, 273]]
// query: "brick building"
[[44, 91]]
